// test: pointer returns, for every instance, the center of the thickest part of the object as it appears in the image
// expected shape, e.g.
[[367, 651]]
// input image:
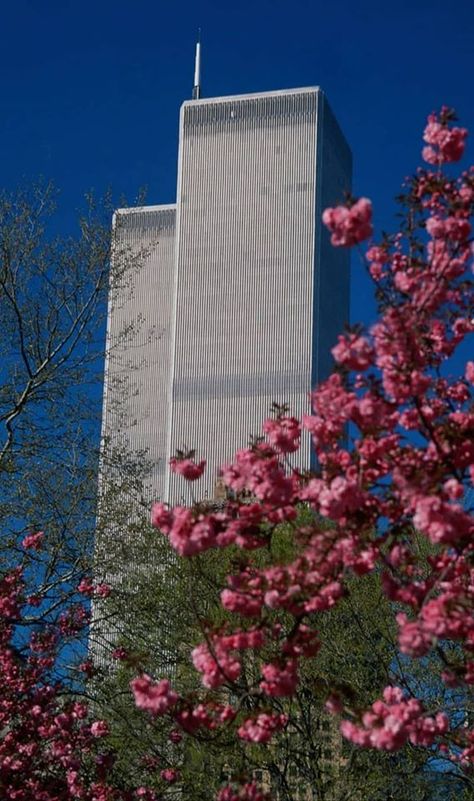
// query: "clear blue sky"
[[90, 91]]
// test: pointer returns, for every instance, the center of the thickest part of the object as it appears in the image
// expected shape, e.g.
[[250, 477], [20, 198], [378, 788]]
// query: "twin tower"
[[238, 295]]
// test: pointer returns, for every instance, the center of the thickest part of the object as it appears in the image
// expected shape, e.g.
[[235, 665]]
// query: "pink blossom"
[[100, 728], [279, 681], [102, 590], [189, 536], [145, 794], [442, 522], [302, 642], [120, 653], [262, 728], [246, 604], [394, 721], [469, 372], [170, 775], [353, 351], [283, 433], [455, 228], [349, 226], [333, 407], [412, 638], [161, 517], [217, 666], [188, 468], [86, 587], [208, 715], [33, 541], [245, 792], [377, 257], [445, 144], [453, 489], [253, 638], [155, 697], [87, 667]]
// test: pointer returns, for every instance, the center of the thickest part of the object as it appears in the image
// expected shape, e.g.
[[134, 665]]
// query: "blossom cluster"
[[349, 224], [246, 792], [52, 747], [393, 721], [445, 143]]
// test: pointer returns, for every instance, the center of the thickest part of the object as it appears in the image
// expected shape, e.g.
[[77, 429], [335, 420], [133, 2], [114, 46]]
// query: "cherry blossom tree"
[[392, 430], [51, 747]]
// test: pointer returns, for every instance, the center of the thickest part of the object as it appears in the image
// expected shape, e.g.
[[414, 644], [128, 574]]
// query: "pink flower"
[[445, 144], [469, 372], [161, 517], [412, 638], [120, 653], [189, 536], [170, 775], [455, 228], [87, 667], [392, 722], [377, 257], [33, 541], [86, 587], [453, 489], [262, 728], [442, 522], [349, 226], [217, 667], [144, 794], [34, 600], [279, 681], [155, 697], [244, 792], [353, 351], [103, 590], [242, 603], [283, 433], [187, 468], [100, 728]]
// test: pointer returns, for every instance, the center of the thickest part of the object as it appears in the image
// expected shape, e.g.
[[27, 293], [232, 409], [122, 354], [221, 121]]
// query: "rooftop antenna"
[[197, 69]]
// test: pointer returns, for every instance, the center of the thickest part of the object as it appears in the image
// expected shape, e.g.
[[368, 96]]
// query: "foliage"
[[51, 747], [53, 305]]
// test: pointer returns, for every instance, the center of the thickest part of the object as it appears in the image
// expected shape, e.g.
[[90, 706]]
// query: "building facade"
[[136, 411], [241, 286]]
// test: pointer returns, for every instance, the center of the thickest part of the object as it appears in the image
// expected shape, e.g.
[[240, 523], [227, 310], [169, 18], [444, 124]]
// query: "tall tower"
[[260, 295], [239, 296], [136, 410]]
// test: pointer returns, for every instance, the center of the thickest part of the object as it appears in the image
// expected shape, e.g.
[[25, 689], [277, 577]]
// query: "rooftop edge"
[[252, 95]]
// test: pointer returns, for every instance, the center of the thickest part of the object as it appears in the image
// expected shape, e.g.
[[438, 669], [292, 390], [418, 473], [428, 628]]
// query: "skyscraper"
[[139, 349], [245, 294]]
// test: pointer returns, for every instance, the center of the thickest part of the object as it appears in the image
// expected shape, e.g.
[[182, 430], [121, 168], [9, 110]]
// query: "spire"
[[197, 69]]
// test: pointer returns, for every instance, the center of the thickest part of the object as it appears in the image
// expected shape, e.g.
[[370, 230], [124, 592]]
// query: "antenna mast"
[[197, 69]]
